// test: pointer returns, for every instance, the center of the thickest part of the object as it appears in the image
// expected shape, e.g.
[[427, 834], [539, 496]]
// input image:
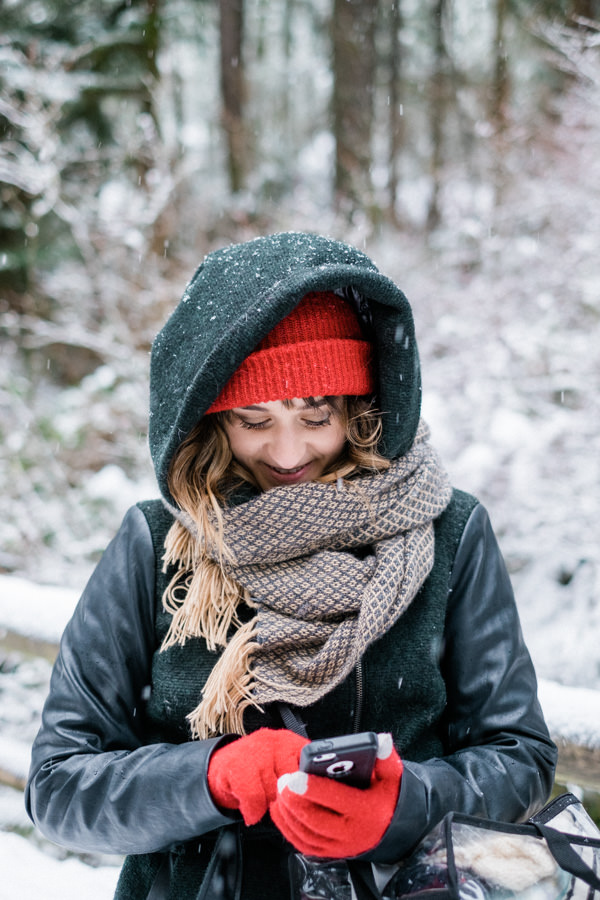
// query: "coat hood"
[[237, 295]]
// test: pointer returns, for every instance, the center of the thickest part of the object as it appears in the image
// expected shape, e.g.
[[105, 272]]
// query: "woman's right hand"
[[327, 818], [243, 775]]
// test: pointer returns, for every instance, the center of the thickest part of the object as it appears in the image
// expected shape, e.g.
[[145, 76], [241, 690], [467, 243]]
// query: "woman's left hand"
[[323, 817]]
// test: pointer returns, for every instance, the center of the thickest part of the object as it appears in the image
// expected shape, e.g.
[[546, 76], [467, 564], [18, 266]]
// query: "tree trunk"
[[151, 36], [353, 34], [396, 121], [500, 85], [287, 104], [437, 111], [231, 26], [585, 9], [499, 100]]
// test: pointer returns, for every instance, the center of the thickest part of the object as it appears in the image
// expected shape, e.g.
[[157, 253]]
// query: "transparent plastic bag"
[[319, 879], [480, 864], [555, 855]]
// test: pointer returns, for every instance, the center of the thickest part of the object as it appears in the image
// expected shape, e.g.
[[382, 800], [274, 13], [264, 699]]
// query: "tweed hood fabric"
[[237, 295], [319, 604]]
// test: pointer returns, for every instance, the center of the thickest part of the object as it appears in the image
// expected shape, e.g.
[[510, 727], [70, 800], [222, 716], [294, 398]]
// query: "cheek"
[[335, 442], [238, 441]]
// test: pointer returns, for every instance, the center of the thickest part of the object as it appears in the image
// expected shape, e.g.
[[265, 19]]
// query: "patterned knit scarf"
[[330, 568]]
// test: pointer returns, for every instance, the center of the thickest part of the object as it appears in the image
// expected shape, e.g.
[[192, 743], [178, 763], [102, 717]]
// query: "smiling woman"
[[286, 444], [309, 570], [316, 350]]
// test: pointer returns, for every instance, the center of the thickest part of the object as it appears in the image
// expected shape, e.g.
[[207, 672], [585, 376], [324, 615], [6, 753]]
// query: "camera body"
[[349, 758]]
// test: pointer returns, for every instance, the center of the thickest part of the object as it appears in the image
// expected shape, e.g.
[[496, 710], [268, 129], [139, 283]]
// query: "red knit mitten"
[[243, 775], [323, 817]]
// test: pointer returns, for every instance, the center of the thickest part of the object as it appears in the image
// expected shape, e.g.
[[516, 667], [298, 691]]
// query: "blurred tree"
[[585, 9], [233, 90], [287, 103], [18, 191], [69, 120], [500, 86], [354, 65], [438, 102], [394, 22]]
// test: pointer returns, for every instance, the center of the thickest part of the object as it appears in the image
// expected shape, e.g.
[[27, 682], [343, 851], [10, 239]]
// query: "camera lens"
[[340, 768]]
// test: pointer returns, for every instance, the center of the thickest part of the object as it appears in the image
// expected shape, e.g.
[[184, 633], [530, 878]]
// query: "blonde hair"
[[202, 597]]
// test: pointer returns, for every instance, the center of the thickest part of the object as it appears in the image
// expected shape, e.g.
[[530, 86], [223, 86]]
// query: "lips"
[[288, 476]]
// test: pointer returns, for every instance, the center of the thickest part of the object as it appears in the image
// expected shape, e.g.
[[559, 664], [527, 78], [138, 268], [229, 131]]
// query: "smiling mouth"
[[288, 471]]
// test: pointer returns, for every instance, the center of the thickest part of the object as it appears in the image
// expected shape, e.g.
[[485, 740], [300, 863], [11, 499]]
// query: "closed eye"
[[318, 423], [254, 426]]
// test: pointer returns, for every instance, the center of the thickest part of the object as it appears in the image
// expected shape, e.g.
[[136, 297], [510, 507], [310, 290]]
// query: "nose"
[[286, 449]]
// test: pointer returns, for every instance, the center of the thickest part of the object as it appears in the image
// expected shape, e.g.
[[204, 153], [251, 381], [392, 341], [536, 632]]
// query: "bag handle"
[[292, 720], [568, 859]]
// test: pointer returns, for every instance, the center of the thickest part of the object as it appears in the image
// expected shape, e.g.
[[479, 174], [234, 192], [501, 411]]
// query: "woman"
[[309, 572]]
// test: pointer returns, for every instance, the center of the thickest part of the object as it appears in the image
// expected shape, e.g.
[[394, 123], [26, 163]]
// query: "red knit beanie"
[[316, 351]]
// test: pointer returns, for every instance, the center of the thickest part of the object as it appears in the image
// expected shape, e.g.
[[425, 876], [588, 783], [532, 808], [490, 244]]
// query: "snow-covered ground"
[[30, 872]]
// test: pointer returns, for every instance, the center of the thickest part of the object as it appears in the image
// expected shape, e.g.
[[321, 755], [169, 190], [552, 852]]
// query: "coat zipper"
[[359, 696]]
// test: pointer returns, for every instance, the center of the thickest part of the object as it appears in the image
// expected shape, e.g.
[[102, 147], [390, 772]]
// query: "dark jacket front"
[[96, 784], [113, 768]]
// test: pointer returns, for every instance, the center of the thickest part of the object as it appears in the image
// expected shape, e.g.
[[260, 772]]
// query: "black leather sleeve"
[[93, 785], [500, 759]]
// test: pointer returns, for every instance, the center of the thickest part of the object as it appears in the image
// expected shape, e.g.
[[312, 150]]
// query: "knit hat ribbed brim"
[[316, 351]]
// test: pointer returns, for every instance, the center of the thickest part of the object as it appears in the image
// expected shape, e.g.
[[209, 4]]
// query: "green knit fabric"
[[235, 298], [403, 688]]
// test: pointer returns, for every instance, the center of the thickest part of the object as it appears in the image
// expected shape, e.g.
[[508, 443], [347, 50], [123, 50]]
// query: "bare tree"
[[354, 63], [437, 109], [231, 26], [500, 87], [396, 121]]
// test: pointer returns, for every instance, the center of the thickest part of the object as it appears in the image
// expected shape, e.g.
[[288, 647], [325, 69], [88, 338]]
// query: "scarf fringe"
[[180, 548], [208, 608], [228, 691]]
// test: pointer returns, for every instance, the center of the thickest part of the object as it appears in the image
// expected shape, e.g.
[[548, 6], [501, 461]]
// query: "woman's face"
[[285, 444]]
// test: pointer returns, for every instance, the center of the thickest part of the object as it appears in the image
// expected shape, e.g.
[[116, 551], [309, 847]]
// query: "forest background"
[[456, 141]]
